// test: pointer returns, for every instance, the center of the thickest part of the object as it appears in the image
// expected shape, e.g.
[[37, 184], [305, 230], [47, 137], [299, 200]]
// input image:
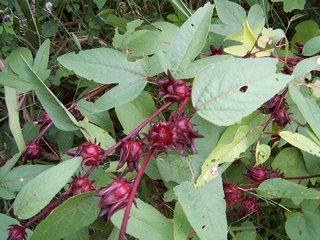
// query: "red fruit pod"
[[173, 90], [81, 185], [281, 116], [232, 193], [249, 205], [32, 150], [161, 135], [91, 153], [256, 175], [114, 197], [131, 152], [275, 102], [16, 232]]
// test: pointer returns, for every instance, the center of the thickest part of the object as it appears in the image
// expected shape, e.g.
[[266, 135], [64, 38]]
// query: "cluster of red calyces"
[[173, 90], [178, 133], [278, 108], [114, 197], [232, 193], [131, 152], [81, 185], [256, 175], [16, 232], [32, 151], [91, 153]]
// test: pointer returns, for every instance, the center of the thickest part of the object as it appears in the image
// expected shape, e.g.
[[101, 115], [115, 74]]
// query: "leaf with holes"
[[226, 93]]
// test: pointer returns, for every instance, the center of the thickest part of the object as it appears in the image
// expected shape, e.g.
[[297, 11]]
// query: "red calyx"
[[173, 90], [161, 135], [299, 46], [232, 193], [216, 51], [16, 232], [275, 102], [91, 153], [277, 107], [258, 174], [43, 118], [185, 134], [282, 117], [32, 151], [249, 205], [114, 197], [131, 152], [81, 185]]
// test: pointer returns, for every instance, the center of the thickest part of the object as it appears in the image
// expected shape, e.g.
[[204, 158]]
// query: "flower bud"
[[114, 197], [161, 135], [91, 153], [275, 102], [185, 134], [249, 205], [131, 152], [282, 117], [16, 232], [32, 151], [173, 90], [81, 185], [258, 174], [232, 193]]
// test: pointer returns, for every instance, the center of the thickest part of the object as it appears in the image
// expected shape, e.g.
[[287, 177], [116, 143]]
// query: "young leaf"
[[60, 116], [72, 215], [234, 141], [190, 39], [301, 142], [225, 94], [37, 193], [104, 65], [146, 221], [230, 13], [205, 208], [40, 64]]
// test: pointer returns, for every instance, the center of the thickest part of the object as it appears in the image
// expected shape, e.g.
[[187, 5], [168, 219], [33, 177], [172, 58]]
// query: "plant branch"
[[132, 195], [302, 177]]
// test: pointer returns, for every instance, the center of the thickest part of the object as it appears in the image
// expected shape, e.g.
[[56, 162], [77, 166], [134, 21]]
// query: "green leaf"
[[145, 221], [190, 39], [94, 133], [303, 226], [196, 66], [281, 188], [116, 96], [181, 226], [5, 222], [20, 176], [225, 94], [290, 5], [230, 13], [60, 116], [234, 141], [13, 113], [301, 142], [8, 165], [306, 66], [104, 65], [133, 113], [16, 62], [304, 32], [308, 107], [205, 208], [37, 193], [14, 81], [69, 217], [311, 47], [290, 162], [181, 6], [100, 3], [40, 64]]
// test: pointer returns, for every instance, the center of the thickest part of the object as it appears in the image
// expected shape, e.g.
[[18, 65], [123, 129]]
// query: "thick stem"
[[137, 130], [181, 106], [43, 131], [133, 194]]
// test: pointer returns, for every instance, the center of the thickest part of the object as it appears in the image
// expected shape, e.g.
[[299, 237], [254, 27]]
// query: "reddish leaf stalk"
[[302, 177], [133, 194]]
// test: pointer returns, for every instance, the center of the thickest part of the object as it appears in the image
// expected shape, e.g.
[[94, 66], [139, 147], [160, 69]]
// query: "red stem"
[[302, 177], [137, 130], [135, 186]]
